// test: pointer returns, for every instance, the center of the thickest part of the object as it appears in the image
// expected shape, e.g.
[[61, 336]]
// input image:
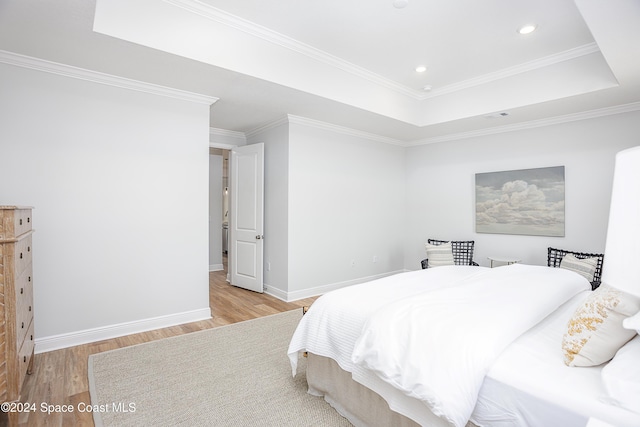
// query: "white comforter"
[[433, 334]]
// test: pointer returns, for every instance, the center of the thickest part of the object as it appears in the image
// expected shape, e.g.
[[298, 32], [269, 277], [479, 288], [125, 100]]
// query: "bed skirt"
[[360, 405]]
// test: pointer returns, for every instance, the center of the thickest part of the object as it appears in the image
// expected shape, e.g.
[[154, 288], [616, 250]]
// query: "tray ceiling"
[[353, 63]]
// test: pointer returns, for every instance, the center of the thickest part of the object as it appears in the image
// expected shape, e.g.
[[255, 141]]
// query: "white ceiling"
[[351, 63]]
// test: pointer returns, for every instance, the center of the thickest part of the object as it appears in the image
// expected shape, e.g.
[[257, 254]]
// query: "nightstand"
[[501, 261]]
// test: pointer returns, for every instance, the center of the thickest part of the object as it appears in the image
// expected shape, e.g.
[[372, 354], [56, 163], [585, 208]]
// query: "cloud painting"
[[526, 201]]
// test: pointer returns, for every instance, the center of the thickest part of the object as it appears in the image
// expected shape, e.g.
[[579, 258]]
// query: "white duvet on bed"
[[332, 325], [473, 302], [529, 384], [438, 346]]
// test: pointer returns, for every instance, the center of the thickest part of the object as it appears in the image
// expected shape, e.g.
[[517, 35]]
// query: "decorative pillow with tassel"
[[595, 332]]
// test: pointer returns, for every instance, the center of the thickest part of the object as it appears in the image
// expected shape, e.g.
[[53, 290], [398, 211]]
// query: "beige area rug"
[[235, 375]]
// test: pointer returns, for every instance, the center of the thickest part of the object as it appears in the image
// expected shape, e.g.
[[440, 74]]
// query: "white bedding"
[[335, 320], [498, 300], [438, 346], [529, 384], [333, 323]]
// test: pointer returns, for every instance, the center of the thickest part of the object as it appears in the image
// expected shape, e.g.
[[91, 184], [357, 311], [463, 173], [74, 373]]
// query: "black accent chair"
[[554, 258], [462, 251]]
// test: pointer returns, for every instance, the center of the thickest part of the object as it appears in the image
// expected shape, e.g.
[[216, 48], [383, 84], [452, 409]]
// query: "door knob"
[[259, 236]]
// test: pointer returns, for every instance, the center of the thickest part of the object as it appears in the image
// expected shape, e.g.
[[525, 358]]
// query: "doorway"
[[218, 210], [236, 214]]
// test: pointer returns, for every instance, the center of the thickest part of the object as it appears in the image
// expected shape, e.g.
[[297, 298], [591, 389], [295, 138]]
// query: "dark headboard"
[[554, 257]]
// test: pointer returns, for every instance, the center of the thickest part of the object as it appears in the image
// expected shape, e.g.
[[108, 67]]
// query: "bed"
[[454, 346]]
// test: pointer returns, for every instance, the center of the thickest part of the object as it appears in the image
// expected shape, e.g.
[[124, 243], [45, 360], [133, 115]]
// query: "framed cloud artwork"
[[525, 201]]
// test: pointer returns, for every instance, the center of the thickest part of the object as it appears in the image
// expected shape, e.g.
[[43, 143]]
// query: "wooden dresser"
[[16, 302]]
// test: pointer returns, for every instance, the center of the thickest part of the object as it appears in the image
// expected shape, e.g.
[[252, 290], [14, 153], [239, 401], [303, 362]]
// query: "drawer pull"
[[28, 219], [28, 248], [21, 291], [24, 359], [29, 279], [29, 308], [20, 221], [20, 255], [22, 326], [31, 337]]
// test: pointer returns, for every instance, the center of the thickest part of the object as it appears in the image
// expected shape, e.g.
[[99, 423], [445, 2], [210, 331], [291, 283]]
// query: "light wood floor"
[[60, 377]]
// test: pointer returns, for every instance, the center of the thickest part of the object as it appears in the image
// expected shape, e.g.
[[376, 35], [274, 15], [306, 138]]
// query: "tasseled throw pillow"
[[594, 332]]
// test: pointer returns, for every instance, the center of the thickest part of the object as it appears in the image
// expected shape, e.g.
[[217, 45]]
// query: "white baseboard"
[[319, 290], [275, 292], [216, 267], [56, 342]]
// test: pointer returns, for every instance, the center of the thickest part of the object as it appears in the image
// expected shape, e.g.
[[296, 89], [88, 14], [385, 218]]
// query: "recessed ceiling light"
[[399, 4], [527, 29], [421, 69], [427, 88]]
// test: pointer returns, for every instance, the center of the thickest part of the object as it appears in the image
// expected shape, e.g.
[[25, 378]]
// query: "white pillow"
[[594, 332], [621, 376], [585, 267], [439, 255]]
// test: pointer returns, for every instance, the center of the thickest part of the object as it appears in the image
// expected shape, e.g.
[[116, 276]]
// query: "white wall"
[[346, 203], [215, 213], [119, 181], [440, 185], [331, 197]]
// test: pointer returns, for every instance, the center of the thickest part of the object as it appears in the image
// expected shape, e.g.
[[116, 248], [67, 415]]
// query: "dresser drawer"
[[14, 222], [23, 254], [24, 303], [25, 353], [22, 221]]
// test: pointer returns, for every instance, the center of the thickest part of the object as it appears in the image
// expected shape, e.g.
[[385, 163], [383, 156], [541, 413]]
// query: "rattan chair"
[[554, 258], [462, 251]]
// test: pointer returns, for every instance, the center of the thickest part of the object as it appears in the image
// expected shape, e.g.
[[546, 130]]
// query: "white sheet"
[[438, 346], [529, 384], [335, 321]]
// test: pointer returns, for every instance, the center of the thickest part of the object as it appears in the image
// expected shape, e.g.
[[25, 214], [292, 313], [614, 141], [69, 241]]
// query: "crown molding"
[[591, 114], [222, 17], [343, 130], [586, 115], [226, 139], [227, 133], [37, 64], [264, 33], [291, 119], [547, 61], [267, 126]]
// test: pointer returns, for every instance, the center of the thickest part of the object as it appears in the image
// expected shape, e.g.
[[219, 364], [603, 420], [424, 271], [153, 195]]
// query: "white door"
[[246, 179]]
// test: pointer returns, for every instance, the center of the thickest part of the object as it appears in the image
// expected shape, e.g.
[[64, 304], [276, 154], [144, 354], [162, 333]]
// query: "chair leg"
[[305, 308]]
